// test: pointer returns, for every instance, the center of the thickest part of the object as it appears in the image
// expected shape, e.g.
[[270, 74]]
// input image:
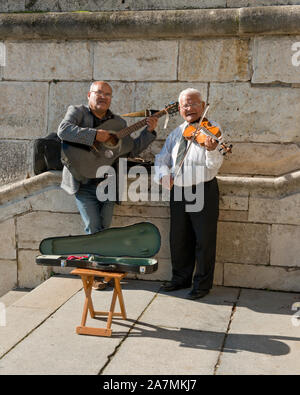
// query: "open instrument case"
[[127, 249]]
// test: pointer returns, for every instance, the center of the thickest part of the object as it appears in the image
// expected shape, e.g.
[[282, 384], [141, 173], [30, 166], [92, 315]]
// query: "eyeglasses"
[[192, 105], [101, 93]]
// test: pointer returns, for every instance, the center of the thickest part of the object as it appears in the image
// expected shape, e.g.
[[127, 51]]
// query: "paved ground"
[[230, 331]]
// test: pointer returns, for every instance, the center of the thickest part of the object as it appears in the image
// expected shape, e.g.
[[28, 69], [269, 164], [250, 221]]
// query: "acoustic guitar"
[[84, 161]]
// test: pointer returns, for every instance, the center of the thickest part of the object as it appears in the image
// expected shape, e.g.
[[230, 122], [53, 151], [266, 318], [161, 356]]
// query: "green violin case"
[[128, 249]]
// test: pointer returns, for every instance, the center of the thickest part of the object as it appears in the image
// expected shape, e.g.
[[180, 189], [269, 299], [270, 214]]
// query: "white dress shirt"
[[199, 164]]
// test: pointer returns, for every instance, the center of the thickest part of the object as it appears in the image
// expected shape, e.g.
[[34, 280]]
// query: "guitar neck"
[[136, 126]]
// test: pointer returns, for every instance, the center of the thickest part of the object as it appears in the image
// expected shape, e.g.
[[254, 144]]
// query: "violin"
[[200, 132]]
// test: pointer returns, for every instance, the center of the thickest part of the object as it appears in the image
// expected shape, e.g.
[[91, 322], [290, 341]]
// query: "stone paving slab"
[[262, 338], [24, 315], [55, 348], [230, 331], [176, 335], [12, 296]]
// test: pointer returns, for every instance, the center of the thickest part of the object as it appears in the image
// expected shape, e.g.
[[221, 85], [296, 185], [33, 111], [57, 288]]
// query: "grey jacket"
[[77, 127]]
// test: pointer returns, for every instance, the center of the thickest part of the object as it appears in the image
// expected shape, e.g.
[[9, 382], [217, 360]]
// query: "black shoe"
[[168, 287], [197, 294]]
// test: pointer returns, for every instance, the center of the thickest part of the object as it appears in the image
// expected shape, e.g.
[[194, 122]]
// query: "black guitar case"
[[124, 249]]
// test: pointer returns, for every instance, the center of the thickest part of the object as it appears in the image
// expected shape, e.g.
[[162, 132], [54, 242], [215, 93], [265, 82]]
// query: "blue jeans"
[[96, 215]]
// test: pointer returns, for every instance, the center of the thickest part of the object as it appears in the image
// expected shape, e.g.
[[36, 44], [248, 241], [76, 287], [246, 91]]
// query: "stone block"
[[219, 274], [221, 60], [262, 159], [8, 240], [233, 202], [175, 4], [8, 275], [61, 96], [10, 210], [157, 95], [233, 216], [2, 58], [275, 60], [33, 227], [275, 211], [117, 5], [256, 114], [233, 186], [64, 94], [13, 161], [54, 200], [144, 211], [23, 109], [136, 60], [285, 246], [48, 5], [30, 274], [243, 243], [261, 277], [48, 61], [258, 3], [12, 6]]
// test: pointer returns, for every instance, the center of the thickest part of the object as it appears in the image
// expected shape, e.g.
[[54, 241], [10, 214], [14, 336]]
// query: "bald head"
[[95, 85]]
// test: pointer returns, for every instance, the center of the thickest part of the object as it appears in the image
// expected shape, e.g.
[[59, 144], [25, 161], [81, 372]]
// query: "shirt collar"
[[108, 115]]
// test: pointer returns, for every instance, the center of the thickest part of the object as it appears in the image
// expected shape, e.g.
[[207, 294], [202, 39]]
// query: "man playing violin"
[[82, 125], [192, 232]]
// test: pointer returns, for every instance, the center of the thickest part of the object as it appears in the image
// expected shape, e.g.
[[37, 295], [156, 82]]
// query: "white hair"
[[189, 91]]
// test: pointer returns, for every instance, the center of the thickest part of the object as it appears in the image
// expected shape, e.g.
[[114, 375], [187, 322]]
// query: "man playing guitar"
[[81, 126]]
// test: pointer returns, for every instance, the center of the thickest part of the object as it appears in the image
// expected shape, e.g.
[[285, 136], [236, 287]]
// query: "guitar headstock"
[[172, 108]]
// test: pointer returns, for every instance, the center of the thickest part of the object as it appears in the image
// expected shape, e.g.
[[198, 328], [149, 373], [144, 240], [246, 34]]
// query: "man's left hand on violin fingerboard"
[[210, 144]]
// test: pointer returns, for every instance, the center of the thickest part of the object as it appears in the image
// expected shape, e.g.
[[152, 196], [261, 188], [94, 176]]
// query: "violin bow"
[[190, 144]]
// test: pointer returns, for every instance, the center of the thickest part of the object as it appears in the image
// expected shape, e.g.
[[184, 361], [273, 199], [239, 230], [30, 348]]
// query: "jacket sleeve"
[[70, 129], [142, 142]]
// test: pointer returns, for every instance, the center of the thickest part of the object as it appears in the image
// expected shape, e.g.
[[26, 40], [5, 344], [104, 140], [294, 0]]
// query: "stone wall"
[[117, 5], [257, 244], [245, 63]]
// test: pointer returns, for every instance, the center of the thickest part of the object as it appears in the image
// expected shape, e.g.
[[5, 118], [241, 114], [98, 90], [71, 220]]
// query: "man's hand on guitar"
[[151, 123], [102, 136]]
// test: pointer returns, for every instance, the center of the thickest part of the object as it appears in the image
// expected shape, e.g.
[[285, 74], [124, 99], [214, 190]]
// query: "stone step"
[[13, 296], [25, 314]]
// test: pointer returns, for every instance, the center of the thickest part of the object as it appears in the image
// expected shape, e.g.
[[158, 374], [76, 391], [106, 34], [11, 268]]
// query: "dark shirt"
[[98, 122]]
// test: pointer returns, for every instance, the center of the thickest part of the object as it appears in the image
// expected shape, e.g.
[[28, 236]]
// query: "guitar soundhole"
[[112, 142]]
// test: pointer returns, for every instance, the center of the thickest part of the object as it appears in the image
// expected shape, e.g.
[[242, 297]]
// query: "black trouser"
[[193, 239]]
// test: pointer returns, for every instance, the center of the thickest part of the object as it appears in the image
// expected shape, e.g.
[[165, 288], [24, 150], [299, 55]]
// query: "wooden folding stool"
[[87, 277]]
